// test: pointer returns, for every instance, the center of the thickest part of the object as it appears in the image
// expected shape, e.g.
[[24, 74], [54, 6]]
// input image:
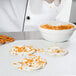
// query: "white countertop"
[[57, 66]]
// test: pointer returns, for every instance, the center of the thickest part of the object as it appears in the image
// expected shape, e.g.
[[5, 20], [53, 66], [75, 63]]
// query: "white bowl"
[[56, 35]]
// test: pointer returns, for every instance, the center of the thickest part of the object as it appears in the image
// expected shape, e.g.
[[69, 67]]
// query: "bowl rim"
[[59, 30]]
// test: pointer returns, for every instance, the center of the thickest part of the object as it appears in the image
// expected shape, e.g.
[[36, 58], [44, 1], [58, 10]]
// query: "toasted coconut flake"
[[32, 63]]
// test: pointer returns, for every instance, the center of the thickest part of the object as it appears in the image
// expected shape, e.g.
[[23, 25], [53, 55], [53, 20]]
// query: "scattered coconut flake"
[[23, 50], [57, 51], [31, 63]]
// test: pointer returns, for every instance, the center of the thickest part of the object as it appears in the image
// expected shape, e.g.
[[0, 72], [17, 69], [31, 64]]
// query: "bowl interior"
[[56, 23]]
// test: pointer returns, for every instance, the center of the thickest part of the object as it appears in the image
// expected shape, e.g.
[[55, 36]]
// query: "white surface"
[[57, 35], [65, 65]]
